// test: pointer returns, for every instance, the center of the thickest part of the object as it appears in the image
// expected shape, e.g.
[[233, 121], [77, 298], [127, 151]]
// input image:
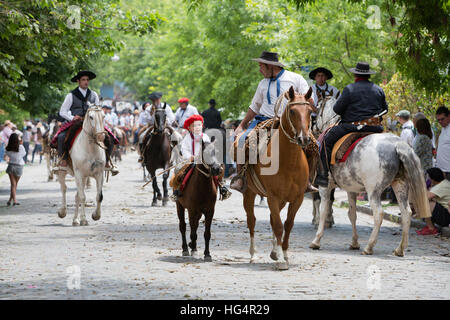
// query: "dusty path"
[[134, 251]]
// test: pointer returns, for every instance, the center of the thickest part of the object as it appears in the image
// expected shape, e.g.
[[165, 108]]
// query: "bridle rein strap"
[[93, 136]]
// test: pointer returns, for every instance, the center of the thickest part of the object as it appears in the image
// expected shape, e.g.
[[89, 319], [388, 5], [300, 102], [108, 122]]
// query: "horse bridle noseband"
[[94, 136]]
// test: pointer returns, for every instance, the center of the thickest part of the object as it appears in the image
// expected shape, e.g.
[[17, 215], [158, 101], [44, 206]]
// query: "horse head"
[[296, 117], [160, 118], [93, 123], [209, 158], [326, 115]]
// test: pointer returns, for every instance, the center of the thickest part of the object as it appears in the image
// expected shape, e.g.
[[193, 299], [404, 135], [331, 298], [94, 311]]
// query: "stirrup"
[[311, 189], [224, 193]]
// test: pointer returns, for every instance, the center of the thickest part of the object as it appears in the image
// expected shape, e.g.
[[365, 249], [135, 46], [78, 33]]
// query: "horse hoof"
[[83, 223], [282, 266], [366, 253], [398, 253], [194, 254], [62, 213], [75, 223], [159, 197], [274, 256], [95, 217], [208, 259], [254, 259], [352, 247], [154, 203], [314, 246], [186, 253]]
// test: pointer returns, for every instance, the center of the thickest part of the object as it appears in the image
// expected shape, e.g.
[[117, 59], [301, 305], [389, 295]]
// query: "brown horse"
[[199, 197], [289, 183]]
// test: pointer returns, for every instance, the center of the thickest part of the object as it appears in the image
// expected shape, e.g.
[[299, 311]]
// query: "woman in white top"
[[15, 153]]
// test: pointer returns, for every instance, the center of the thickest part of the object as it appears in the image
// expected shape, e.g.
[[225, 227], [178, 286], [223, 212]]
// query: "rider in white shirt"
[[184, 111]]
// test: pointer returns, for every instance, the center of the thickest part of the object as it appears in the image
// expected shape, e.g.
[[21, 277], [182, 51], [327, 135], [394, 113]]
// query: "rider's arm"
[[64, 111], [343, 101], [186, 147], [169, 115], [248, 117]]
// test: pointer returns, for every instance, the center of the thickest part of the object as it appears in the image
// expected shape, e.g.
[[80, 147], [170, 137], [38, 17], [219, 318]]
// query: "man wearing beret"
[[184, 111]]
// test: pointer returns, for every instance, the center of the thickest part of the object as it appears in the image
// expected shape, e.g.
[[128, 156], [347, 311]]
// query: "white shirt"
[[181, 115], [186, 146], [17, 157], [443, 150], [111, 119], [260, 104], [64, 111], [170, 117], [145, 118], [407, 134], [327, 88]]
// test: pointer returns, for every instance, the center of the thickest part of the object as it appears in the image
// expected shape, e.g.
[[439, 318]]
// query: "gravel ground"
[[134, 251]]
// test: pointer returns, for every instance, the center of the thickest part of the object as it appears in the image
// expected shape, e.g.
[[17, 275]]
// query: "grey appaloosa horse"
[[378, 161]]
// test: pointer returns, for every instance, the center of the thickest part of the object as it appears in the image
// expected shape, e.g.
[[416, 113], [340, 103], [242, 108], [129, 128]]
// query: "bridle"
[[94, 135], [156, 126], [296, 134], [322, 109]]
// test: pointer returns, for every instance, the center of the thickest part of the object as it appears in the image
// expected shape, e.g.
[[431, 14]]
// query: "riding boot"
[[62, 152], [239, 181], [322, 176], [312, 158]]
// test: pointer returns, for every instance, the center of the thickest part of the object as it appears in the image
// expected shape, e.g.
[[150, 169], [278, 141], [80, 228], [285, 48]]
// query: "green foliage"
[[41, 47]]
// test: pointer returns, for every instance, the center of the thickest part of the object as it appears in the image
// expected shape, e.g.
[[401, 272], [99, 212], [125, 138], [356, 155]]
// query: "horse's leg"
[[316, 209], [180, 212], [207, 235], [165, 189], [329, 221], [401, 192], [277, 228], [194, 218], [274, 253], [324, 207], [249, 203], [88, 183], [377, 210], [352, 216], [81, 182], [62, 212], [99, 182], [156, 190], [289, 223], [49, 167], [155, 187]]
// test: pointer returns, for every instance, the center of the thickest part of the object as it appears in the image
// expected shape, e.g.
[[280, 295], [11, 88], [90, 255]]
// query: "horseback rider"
[[276, 81], [191, 149], [360, 106], [74, 109], [183, 112], [321, 88]]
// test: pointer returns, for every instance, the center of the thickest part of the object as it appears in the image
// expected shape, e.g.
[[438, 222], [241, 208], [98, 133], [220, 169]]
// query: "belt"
[[374, 121]]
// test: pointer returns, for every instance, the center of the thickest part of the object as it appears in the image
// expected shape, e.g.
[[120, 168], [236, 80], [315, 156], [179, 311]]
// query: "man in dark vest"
[[74, 109], [212, 117], [360, 106]]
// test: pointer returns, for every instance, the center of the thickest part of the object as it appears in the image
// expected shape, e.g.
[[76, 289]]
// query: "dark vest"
[[79, 103]]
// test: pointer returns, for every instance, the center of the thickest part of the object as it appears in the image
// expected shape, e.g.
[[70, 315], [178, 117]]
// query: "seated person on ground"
[[439, 198]]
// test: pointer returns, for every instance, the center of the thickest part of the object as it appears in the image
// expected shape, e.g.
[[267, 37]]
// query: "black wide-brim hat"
[[155, 95], [312, 74], [80, 74], [362, 68], [269, 58]]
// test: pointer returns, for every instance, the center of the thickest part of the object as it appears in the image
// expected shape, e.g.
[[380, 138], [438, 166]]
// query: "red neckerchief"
[[193, 142], [361, 79]]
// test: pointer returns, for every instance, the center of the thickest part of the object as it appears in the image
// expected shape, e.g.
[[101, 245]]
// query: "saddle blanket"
[[66, 125]]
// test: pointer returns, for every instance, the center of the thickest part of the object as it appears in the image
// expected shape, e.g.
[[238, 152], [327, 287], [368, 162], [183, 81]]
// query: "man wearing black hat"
[[360, 106], [321, 88], [211, 116], [155, 97], [73, 109]]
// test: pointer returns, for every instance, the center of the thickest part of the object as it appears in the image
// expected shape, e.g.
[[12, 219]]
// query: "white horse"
[[377, 161], [88, 160]]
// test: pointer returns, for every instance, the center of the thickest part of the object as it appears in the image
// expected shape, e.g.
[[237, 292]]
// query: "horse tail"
[[414, 178]]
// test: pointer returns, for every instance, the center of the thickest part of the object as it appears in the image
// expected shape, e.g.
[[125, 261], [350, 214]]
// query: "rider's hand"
[[192, 158], [238, 130], [77, 118]]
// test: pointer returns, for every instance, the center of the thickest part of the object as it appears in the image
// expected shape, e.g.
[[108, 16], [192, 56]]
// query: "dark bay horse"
[[199, 197], [157, 154]]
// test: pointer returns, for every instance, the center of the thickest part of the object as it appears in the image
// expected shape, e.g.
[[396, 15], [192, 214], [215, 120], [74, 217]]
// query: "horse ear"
[[308, 94], [291, 93], [337, 96], [331, 92]]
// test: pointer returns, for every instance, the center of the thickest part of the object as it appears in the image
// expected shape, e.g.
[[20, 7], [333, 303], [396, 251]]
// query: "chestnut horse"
[[289, 183], [199, 198]]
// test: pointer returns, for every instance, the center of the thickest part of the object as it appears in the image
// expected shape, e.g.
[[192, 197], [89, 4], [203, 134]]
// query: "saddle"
[[344, 146], [72, 133]]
